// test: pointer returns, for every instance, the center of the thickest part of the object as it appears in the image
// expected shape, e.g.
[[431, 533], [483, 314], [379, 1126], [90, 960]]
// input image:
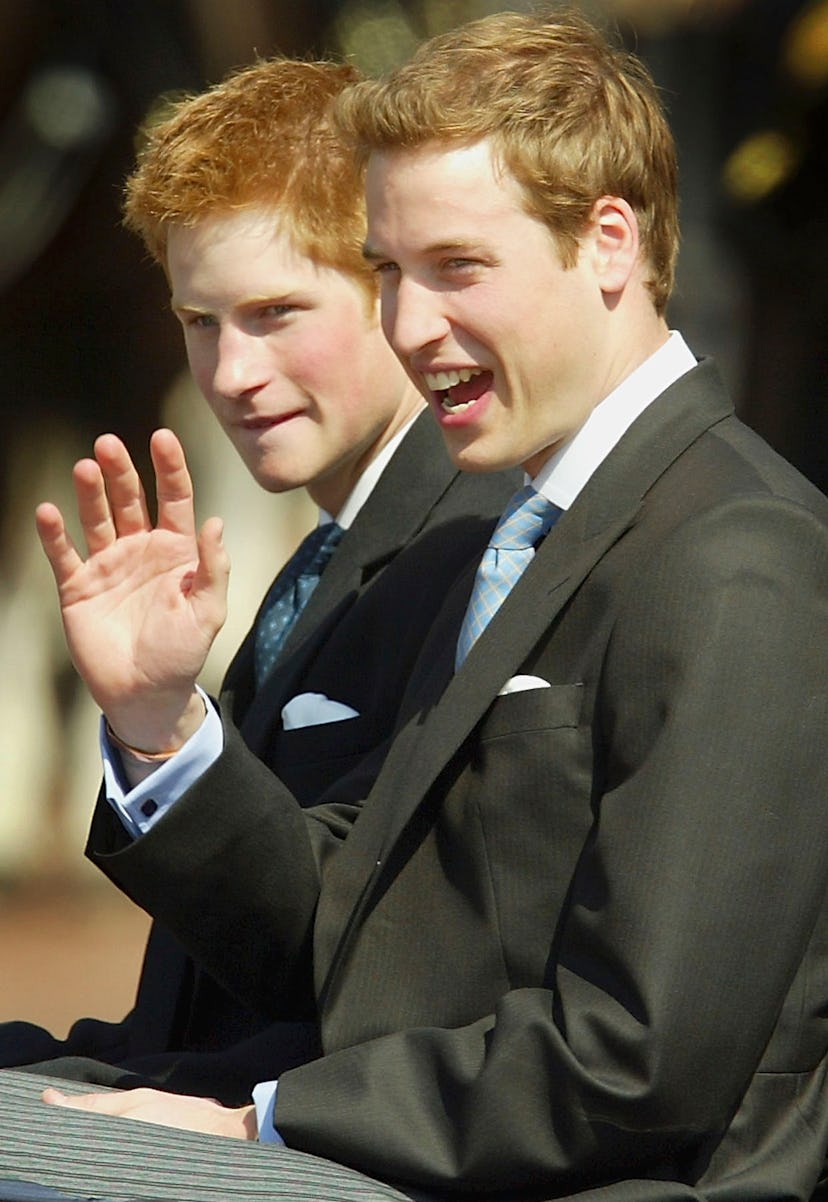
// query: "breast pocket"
[[533, 751], [531, 784], [556, 707], [311, 759]]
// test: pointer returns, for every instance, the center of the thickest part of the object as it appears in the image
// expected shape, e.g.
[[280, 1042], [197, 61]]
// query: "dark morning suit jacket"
[[356, 642], [576, 938]]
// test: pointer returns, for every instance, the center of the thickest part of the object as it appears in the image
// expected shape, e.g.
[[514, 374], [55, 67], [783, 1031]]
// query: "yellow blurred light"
[[759, 166], [805, 52], [376, 37], [440, 15]]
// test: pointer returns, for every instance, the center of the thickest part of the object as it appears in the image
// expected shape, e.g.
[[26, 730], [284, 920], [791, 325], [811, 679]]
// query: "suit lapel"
[[390, 518], [393, 514], [441, 716]]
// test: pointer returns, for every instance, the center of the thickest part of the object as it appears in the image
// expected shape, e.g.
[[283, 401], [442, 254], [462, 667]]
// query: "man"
[[574, 944], [252, 205]]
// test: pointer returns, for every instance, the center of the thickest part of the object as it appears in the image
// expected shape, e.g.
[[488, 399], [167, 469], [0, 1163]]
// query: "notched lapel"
[[433, 735], [600, 516], [557, 571], [264, 708], [391, 517], [395, 512]]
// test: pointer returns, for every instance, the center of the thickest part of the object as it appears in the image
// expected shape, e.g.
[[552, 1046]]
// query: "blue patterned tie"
[[290, 594], [526, 519]]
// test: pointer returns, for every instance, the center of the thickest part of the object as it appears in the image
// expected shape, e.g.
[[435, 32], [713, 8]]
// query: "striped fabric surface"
[[88, 1156]]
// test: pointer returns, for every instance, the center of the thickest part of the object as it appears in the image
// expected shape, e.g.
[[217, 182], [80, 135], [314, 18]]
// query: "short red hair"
[[261, 138]]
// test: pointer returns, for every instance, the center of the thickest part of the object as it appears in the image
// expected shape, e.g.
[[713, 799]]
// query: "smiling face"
[[511, 349], [289, 355]]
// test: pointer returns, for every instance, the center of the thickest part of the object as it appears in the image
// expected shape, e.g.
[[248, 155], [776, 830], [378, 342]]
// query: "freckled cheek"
[[339, 370]]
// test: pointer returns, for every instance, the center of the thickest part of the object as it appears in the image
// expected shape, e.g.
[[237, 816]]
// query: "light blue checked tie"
[[290, 594], [526, 519]]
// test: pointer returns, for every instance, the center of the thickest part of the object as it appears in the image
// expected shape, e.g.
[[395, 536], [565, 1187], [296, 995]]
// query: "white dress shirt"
[[567, 471]]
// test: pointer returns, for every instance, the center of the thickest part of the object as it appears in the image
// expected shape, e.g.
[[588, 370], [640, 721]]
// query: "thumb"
[[53, 1097]]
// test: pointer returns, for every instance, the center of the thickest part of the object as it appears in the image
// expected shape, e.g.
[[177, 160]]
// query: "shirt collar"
[[567, 471], [367, 482]]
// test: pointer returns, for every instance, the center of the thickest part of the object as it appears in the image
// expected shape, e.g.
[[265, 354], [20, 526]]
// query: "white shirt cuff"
[[264, 1099], [140, 808]]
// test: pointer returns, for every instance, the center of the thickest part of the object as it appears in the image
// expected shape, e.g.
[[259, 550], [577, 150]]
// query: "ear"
[[615, 244]]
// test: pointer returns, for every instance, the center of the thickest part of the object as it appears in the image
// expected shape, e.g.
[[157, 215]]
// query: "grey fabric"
[[84, 1155], [26, 1191]]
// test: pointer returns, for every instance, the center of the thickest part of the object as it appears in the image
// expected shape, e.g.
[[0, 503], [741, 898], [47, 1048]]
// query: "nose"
[[412, 316], [239, 364]]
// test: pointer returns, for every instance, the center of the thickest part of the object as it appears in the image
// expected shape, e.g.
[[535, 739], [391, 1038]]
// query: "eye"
[[386, 267], [459, 264], [199, 321], [278, 310]]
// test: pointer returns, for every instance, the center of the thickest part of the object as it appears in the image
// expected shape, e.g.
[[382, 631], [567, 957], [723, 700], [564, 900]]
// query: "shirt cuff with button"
[[140, 808]]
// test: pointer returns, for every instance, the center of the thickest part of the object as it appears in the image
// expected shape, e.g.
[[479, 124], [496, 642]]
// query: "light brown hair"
[[262, 137], [569, 114]]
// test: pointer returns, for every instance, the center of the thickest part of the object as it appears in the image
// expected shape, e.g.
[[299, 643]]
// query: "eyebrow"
[[279, 297], [451, 244]]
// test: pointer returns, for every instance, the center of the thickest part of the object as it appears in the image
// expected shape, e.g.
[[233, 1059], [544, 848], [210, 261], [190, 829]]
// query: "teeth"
[[442, 380], [446, 405]]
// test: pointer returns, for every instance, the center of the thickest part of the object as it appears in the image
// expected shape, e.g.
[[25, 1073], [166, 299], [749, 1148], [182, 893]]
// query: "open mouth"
[[458, 390]]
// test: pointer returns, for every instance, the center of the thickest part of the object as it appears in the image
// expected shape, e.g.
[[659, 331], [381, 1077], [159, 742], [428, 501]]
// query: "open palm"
[[142, 609]]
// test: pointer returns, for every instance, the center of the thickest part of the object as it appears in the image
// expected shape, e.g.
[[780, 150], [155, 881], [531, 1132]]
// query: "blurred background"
[[87, 344]]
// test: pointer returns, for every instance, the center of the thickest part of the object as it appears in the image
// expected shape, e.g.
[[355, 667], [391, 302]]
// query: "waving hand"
[[142, 609]]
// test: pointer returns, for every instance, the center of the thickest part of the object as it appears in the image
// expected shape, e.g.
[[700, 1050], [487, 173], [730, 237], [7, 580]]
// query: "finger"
[[87, 1101], [93, 505], [125, 492], [122, 1103], [58, 546], [174, 487], [208, 584]]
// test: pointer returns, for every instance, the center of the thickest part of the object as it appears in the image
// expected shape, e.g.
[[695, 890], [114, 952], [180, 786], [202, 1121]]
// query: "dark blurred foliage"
[[775, 94], [747, 90], [83, 331]]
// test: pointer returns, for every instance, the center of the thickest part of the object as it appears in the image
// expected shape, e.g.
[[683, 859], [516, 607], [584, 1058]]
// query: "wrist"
[[138, 753], [148, 741], [249, 1126]]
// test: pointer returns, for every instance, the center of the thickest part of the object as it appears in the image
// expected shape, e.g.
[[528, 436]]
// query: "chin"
[[276, 482], [473, 458], [271, 485], [277, 474]]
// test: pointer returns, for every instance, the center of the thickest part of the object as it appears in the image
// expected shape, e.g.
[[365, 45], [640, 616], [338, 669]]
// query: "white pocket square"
[[314, 709], [519, 684]]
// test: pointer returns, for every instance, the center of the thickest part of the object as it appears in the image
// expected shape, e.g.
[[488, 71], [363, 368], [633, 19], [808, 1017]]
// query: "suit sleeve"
[[24, 1043], [233, 868], [684, 952]]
